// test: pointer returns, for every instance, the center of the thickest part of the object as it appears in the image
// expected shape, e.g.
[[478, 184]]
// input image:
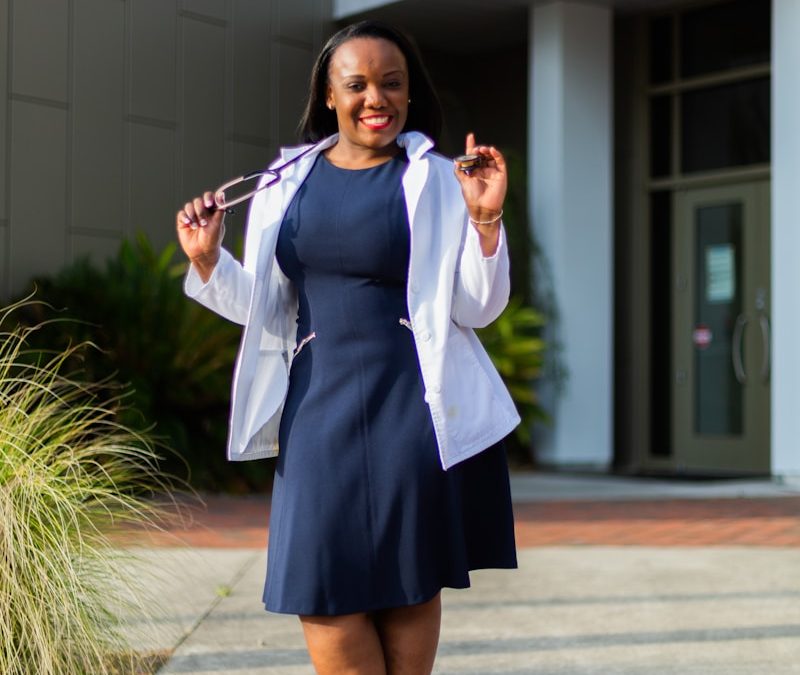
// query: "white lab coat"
[[451, 289]]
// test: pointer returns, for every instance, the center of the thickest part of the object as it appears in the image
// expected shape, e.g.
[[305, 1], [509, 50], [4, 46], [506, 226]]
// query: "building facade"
[[658, 143]]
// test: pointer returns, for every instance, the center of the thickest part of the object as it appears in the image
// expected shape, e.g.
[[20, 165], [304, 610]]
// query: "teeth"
[[376, 120]]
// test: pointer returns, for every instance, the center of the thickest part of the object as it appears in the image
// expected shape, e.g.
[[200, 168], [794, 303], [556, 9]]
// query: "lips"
[[376, 122]]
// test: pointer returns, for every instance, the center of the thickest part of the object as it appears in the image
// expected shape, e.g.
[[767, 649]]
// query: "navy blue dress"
[[363, 515]]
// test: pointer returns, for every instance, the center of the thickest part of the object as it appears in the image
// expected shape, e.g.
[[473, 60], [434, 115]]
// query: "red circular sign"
[[702, 336]]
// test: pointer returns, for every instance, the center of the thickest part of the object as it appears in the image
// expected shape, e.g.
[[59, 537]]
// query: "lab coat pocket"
[[264, 394], [469, 406]]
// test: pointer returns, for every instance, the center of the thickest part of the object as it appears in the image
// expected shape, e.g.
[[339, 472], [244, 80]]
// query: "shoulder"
[[440, 168], [439, 160], [435, 160]]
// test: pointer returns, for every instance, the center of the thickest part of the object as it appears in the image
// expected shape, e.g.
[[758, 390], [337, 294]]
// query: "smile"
[[376, 121]]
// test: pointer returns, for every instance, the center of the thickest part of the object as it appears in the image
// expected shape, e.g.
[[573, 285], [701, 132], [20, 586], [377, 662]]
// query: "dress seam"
[[362, 422]]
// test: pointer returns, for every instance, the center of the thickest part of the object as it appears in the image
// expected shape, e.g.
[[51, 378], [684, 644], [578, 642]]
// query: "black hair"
[[424, 111]]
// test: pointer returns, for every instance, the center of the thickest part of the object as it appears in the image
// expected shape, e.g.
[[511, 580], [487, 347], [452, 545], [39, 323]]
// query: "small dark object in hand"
[[468, 163]]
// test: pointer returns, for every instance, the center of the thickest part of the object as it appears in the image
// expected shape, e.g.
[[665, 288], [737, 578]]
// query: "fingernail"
[[194, 225], [203, 222], [186, 220], [208, 203]]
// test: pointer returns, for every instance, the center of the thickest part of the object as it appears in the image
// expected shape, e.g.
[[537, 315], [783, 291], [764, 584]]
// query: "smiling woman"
[[391, 482]]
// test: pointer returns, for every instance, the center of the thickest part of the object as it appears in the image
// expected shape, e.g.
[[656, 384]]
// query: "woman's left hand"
[[484, 191], [484, 188]]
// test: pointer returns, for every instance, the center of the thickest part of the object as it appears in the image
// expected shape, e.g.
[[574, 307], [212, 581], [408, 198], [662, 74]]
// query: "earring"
[[330, 106], [409, 100]]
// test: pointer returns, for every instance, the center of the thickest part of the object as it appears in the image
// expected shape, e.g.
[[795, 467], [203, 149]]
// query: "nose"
[[374, 97]]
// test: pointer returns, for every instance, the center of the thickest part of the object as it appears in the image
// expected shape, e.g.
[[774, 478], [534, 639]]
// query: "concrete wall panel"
[[153, 31], [119, 110], [40, 45], [292, 69], [252, 85], [38, 182], [214, 9], [293, 19], [245, 157], [153, 183], [96, 247], [248, 157], [4, 262], [204, 115], [4, 42], [97, 148]]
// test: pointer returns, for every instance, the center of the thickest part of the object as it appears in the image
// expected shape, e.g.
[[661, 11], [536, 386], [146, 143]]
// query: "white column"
[[571, 157], [785, 237]]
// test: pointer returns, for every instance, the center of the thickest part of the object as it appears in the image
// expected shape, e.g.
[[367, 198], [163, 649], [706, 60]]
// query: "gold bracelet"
[[487, 222]]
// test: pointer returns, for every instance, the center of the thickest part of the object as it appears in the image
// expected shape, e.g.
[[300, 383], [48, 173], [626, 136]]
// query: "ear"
[[329, 98]]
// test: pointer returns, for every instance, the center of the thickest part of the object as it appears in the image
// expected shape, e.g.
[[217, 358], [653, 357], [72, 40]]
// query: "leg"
[[343, 645], [410, 636]]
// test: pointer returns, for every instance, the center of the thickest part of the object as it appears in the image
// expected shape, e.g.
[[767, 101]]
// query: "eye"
[[355, 86], [394, 84]]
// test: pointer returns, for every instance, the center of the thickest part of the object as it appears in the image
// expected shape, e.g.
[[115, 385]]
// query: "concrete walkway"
[[606, 608]]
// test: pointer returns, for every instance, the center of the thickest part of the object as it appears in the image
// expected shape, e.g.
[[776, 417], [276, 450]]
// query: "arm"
[[482, 284]]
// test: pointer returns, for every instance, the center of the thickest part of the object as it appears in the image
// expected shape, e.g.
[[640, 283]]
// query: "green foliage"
[[68, 471], [175, 356], [517, 350], [515, 219]]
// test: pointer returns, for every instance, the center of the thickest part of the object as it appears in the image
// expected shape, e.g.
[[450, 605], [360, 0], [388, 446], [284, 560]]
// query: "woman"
[[366, 268]]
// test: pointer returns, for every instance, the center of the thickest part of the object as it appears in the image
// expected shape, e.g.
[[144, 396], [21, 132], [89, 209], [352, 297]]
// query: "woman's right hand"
[[200, 231]]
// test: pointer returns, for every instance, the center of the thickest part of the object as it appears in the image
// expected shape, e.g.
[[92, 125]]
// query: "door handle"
[[766, 334], [736, 349]]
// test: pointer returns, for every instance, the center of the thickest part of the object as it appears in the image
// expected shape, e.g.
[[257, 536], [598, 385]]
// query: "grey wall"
[[114, 112]]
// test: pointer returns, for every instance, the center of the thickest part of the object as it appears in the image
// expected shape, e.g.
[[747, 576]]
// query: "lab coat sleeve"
[[227, 291], [482, 284]]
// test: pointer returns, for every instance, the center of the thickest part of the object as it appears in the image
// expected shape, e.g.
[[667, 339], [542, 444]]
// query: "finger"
[[189, 210], [208, 202], [202, 212], [469, 146], [461, 176], [183, 220], [497, 157]]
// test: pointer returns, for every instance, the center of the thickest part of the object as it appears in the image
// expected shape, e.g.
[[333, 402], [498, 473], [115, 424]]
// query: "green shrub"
[[175, 356], [68, 471], [517, 350]]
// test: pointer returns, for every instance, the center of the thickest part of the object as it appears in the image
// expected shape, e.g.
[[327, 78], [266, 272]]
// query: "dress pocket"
[[308, 338]]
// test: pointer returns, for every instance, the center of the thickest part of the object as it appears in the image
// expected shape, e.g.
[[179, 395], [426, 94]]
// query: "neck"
[[351, 157]]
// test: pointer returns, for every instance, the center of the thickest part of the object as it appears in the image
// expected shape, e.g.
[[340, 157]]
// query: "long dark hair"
[[424, 111]]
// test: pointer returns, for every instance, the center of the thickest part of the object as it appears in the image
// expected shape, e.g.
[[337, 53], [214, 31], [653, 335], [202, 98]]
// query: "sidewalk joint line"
[[214, 603]]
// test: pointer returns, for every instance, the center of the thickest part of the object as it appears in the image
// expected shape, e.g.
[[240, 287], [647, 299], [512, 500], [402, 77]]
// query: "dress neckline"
[[398, 156]]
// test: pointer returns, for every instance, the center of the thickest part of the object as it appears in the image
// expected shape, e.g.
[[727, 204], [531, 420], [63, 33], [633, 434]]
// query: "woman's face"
[[368, 89]]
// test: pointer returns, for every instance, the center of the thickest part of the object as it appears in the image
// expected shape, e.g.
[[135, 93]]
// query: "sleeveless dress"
[[363, 515]]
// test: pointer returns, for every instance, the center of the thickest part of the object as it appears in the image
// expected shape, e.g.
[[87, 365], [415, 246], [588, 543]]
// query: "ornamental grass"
[[68, 473]]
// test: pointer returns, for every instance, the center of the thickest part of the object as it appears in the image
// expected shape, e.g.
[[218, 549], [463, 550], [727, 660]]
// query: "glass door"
[[721, 329]]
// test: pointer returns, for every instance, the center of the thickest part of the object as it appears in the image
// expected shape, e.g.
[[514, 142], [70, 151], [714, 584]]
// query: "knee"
[[343, 644]]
